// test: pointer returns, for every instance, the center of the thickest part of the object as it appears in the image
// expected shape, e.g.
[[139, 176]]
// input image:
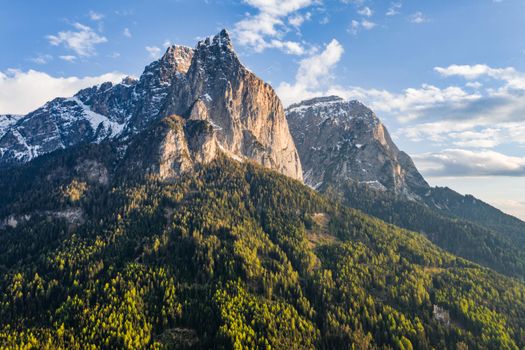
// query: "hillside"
[[230, 256], [481, 241]]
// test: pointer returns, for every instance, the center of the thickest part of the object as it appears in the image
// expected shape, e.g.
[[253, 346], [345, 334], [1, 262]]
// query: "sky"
[[447, 77]]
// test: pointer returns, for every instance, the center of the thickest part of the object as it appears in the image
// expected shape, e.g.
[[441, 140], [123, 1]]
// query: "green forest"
[[488, 242], [232, 256]]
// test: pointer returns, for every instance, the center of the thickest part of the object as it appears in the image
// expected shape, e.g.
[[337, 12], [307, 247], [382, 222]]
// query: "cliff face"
[[342, 141], [207, 83], [246, 114]]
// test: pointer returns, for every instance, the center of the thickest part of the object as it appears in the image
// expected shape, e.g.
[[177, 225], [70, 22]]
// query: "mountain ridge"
[[248, 116]]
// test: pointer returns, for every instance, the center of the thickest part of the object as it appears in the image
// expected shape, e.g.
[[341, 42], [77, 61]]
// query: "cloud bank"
[[22, 92]]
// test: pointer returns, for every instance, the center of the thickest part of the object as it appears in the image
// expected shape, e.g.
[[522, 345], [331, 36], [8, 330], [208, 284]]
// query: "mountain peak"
[[179, 57], [341, 140], [221, 40], [223, 37]]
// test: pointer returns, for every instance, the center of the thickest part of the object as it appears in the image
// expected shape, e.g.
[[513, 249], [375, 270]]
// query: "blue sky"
[[446, 77]]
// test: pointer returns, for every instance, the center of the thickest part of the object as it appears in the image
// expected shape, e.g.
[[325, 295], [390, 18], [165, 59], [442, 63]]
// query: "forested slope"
[[231, 256]]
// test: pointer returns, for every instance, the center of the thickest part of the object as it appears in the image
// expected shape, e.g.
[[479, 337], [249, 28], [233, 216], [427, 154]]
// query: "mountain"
[[347, 152], [340, 141], [168, 212], [232, 255], [248, 119]]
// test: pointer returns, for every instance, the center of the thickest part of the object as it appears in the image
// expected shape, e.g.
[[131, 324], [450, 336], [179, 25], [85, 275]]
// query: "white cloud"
[[82, 41], [95, 16], [367, 24], [364, 24], [461, 162], [471, 133], [366, 11], [298, 19], [68, 58], [408, 105], [326, 20], [289, 47], [267, 28], [21, 92], [154, 51], [394, 9], [354, 2], [127, 33], [489, 117], [511, 206], [418, 18], [474, 84], [312, 75], [513, 78], [354, 27], [41, 59]]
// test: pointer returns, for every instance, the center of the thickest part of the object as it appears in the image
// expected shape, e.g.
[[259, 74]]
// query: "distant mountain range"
[[170, 212]]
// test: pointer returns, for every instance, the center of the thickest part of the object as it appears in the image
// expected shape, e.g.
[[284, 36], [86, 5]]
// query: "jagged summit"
[[222, 40], [207, 83], [341, 141], [178, 57]]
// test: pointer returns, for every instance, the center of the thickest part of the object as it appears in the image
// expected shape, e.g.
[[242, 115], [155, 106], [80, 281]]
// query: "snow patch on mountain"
[[96, 120], [6, 121]]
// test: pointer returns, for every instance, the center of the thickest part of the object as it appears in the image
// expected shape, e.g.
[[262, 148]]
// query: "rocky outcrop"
[[172, 147], [208, 83], [342, 141]]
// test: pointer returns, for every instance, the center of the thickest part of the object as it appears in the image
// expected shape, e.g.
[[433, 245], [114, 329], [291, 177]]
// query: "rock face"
[[246, 114], [342, 141], [207, 84], [171, 147]]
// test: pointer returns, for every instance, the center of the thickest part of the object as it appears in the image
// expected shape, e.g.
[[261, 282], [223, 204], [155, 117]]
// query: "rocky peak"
[[221, 42], [245, 111], [216, 58], [340, 141], [177, 58]]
